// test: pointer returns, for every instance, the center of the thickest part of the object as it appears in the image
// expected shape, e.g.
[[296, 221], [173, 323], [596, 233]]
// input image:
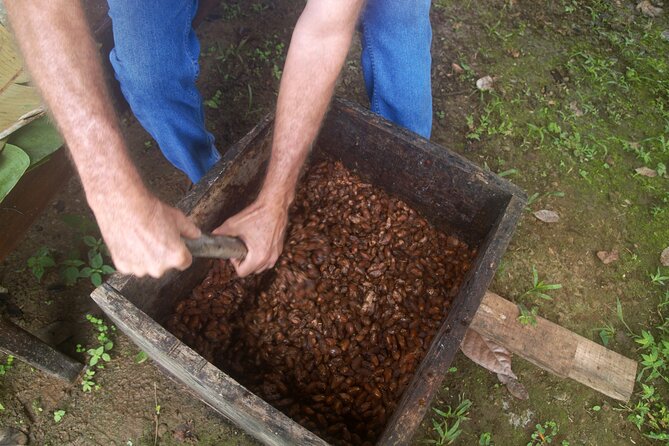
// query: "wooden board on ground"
[[556, 349], [15, 341]]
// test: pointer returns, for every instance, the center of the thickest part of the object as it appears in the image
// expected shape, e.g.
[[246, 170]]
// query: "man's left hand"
[[262, 227]]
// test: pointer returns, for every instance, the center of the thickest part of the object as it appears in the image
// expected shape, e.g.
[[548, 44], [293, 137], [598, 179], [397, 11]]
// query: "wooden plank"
[[556, 349], [29, 198], [15, 341], [222, 393]]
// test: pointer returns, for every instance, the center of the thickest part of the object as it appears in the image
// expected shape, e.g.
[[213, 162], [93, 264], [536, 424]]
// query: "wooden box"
[[451, 192]]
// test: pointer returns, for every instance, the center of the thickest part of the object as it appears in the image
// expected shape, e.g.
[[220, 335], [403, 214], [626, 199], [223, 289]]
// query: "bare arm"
[[142, 233], [316, 55]]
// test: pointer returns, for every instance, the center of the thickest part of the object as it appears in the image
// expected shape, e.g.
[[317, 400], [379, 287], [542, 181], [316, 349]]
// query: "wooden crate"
[[451, 192]]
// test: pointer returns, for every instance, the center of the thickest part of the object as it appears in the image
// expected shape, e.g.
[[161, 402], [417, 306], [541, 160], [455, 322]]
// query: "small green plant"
[[650, 413], [141, 357], [96, 268], [58, 415], [447, 426], [215, 101], [528, 316], [658, 278], [98, 355], [4, 368], [486, 439], [539, 288], [606, 333], [40, 261], [544, 434]]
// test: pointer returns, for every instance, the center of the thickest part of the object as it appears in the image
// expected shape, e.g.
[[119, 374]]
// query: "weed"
[[539, 288], [96, 268], [58, 415], [214, 101], [650, 413], [447, 426], [4, 368], [658, 278], [527, 316], [141, 357], [486, 439], [97, 355], [545, 434], [606, 333], [40, 261]]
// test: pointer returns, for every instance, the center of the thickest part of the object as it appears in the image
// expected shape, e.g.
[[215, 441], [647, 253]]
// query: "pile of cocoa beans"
[[333, 334]]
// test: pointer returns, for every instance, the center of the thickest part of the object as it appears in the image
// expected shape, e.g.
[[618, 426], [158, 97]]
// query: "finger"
[[186, 227], [183, 260]]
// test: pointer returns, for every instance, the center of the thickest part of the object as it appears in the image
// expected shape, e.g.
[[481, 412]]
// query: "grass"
[[584, 104], [447, 425]]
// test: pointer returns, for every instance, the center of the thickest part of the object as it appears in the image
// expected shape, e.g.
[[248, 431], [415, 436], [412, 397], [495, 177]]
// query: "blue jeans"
[[156, 63]]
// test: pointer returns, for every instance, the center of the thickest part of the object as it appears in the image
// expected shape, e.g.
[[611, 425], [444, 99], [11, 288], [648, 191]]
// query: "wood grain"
[[16, 341], [556, 349]]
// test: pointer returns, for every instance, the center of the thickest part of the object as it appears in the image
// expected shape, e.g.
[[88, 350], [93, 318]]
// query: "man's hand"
[[262, 227], [144, 236]]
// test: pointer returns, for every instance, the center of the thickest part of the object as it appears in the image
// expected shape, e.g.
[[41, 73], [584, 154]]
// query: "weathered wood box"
[[451, 192]]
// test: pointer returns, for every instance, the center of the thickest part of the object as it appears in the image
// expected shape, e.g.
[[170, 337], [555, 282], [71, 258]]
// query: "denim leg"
[[156, 62], [396, 61]]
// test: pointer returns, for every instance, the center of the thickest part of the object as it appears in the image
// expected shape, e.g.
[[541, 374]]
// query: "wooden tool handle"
[[216, 247]]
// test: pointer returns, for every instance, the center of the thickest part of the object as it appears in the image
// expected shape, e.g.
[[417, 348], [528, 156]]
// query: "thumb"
[[186, 227]]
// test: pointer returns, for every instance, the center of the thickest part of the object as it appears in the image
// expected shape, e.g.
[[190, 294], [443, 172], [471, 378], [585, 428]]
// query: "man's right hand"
[[144, 234]]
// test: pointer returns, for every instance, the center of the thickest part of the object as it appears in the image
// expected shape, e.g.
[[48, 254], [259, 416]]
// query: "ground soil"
[[533, 51]]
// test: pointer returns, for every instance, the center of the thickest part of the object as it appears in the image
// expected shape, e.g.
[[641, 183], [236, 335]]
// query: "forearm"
[[316, 55], [64, 63]]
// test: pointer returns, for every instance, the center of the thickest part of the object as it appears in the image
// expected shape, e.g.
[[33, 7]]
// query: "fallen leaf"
[[547, 216], [457, 69], [492, 357], [514, 387], [485, 83], [647, 9], [646, 172], [608, 257], [664, 257], [514, 53]]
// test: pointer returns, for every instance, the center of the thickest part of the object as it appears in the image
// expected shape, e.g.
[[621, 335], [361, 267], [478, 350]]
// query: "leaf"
[[495, 358], [646, 172], [70, 274], [96, 279], [106, 269], [94, 360], [90, 241], [96, 261], [105, 357], [13, 164], [664, 257], [608, 257], [647, 9], [39, 139], [547, 216], [141, 357], [16, 98], [86, 272]]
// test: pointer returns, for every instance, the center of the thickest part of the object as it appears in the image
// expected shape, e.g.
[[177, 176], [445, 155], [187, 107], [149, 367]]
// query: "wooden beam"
[[17, 342], [556, 349], [30, 197]]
